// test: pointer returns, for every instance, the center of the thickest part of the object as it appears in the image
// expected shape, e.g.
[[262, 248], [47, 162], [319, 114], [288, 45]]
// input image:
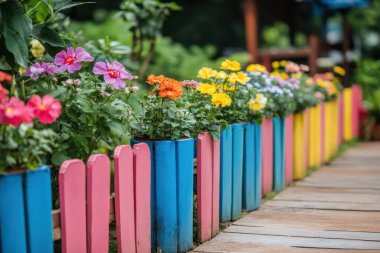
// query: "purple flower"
[[114, 74], [38, 69], [71, 59]]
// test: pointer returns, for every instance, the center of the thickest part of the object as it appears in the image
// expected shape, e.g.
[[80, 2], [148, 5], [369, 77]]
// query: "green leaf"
[[49, 36], [59, 5], [59, 157], [39, 10]]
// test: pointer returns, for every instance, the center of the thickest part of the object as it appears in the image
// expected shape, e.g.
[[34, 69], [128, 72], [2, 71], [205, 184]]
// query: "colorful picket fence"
[[152, 204]]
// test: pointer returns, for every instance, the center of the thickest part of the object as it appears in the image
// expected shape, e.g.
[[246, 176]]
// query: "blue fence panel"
[[258, 167], [226, 174], [249, 165], [278, 154]]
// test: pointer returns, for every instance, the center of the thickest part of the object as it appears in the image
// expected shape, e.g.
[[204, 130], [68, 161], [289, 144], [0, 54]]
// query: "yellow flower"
[[242, 78], [297, 75], [258, 103], [221, 99], [206, 73], [280, 75], [37, 49], [226, 87], [232, 78], [21, 71], [329, 76], [221, 75], [206, 88], [275, 64], [339, 70], [230, 65], [256, 68], [283, 63], [310, 81]]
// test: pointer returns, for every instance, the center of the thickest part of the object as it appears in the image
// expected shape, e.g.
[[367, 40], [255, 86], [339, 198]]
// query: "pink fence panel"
[[132, 198], [208, 176], [124, 199], [72, 193], [98, 202], [267, 155], [288, 149]]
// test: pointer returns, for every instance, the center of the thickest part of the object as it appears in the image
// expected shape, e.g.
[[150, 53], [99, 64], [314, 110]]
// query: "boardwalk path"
[[337, 209]]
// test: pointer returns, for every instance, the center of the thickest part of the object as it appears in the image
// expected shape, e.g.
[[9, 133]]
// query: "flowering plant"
[[23, 144], [278, 93], [224, 89], [93, 101], [163, 114]]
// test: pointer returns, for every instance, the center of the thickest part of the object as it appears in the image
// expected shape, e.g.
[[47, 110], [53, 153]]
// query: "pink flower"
[[47, 109], [71, 59], [3, 95], [114, 74], [38, 69], [15, 112]]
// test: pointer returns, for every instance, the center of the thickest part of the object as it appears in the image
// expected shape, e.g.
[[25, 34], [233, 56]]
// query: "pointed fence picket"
[[85, 215]]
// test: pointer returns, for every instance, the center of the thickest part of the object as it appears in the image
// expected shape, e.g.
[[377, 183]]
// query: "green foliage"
[[162, 118], [367, 74], [24, 147], [372, 103], [276, 36]]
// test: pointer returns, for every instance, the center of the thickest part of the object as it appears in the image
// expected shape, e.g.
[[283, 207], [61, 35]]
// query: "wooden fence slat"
[[225, 174], [237, 169], [249, 167], [204, 185], [267, 155], [298, 146], [278, 161], [347, 93], [306, 124], [215, 185], [142, 197], [185, 190], [288, 150], [258, 165], [12, 216], [38, 210], [72, 195], [166, 196], [98, 205], [125, 199]]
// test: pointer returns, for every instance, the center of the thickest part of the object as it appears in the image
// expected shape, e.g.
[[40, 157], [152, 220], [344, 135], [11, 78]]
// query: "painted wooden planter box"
[[252, 167], [313, 137], [289, 149], [25, 212], [172, 165], [298, 146], [267, 156], [306, 124], [231, 171], [278, 154], [323, 132], [340, 118]]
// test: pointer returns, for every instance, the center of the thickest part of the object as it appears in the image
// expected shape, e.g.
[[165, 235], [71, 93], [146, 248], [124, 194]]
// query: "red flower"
[[15, 112], [3, 95], [47, 109], [5, 77]]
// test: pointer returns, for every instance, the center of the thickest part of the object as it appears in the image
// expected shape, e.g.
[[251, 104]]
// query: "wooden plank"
[[125, 199], [258, 165], [72, 195], [298, 147], [38, 207], [215, 185], [204, 188], [237, 168], [323, 205], [142, 198], [267, 156], [226, 174], [308, 233], [249, 167], [278, 155], [185, 191], [289, 150], [98, 207], [12, 214], [294, 241]]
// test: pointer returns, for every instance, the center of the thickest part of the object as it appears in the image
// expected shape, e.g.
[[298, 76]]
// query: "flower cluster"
[[165, 87], [14, 111]]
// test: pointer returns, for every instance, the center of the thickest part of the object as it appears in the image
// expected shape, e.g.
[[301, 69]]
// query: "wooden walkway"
[[337, 209]]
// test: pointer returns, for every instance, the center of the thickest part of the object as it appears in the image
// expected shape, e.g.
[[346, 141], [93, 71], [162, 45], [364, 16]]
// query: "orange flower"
[[5, 77], [170, 88], [153, 80]]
